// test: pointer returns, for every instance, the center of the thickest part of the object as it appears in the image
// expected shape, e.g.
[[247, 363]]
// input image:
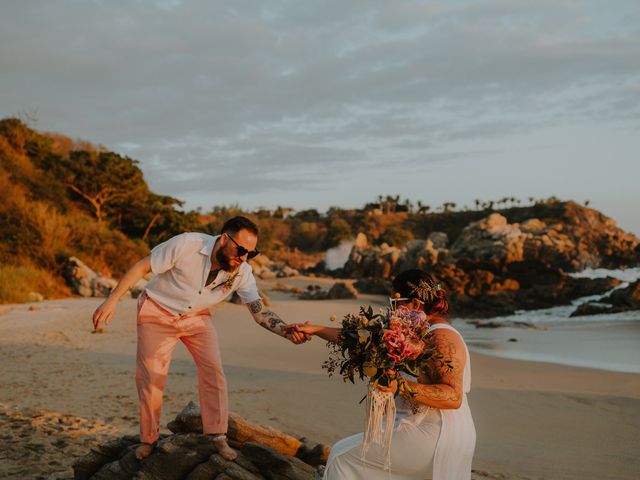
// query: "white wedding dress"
[[431, 444]]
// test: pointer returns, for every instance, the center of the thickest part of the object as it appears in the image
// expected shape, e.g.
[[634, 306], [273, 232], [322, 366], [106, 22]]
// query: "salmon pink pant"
[[158, 334]]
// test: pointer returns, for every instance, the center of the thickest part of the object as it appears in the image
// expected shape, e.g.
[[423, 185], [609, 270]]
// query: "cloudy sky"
[[320, 103]]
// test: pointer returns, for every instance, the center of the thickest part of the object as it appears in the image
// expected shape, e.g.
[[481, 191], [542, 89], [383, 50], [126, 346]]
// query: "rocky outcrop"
[[86, 282], [482, 293], [339, 290], [266, 269], [370, 261], [495, 267], [620, 300], [580, 238], [187, 454]]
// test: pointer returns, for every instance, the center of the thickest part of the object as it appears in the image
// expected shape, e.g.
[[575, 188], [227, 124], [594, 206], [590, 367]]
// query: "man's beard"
[[223, 261]]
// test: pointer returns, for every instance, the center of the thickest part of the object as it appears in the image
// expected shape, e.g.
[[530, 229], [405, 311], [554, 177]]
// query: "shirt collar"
[[208, 246]]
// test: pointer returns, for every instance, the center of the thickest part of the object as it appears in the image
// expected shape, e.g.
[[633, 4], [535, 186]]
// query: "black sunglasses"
[[243, 251]]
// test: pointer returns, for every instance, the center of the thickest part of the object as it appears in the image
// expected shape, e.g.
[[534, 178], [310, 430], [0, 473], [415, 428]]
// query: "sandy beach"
[[65, 389]]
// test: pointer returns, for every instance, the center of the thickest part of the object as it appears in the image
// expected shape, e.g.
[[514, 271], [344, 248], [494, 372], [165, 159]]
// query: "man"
[[192, 272]]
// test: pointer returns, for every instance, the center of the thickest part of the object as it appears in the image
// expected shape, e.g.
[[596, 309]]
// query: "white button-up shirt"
[[181, 266]]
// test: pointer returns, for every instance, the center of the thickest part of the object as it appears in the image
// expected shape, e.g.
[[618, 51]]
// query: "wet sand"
[[534, 420]]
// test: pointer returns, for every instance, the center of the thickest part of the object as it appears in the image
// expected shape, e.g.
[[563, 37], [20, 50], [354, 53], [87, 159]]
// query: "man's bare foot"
[[143, 451], [225, 451]]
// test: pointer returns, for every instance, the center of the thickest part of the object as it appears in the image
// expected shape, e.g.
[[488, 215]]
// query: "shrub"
[[16, 282]]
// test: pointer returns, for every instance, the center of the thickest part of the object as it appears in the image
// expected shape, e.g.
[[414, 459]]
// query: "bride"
[[434, 436]]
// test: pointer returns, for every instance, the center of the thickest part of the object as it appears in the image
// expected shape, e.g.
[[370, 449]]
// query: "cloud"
[[298, 93]]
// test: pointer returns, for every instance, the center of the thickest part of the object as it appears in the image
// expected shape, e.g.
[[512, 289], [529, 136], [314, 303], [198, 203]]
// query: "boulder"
[[86, 282], [342, 290], [264, 268], [439, 240], [361, 241], [339, 290], [287, 271], [374, 285], [591, 308], [625, 298], [371, 261], [277, 466], [620, 300], [102, 286]]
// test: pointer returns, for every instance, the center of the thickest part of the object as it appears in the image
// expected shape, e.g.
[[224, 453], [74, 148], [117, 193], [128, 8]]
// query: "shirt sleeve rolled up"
[[247, 289]]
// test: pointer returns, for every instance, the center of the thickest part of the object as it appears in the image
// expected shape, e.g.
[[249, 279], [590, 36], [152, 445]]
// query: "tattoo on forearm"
[[256, 306], [267, 318], [438, 393]]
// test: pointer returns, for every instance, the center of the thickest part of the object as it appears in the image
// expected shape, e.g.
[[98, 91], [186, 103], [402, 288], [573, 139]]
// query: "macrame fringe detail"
[[379, 405]]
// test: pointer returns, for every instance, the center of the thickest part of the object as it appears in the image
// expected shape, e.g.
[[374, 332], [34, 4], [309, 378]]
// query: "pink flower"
[[413, 348]]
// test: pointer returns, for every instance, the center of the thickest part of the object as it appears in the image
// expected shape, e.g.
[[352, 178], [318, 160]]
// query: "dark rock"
[[240, 469], [275, 466], [621, 300], [188, 420], [313, 453], [625, 298], [175, 457], [313, 292], [122, 469], [374, 285], [509, 323], [591, 308], [341, 290], [88, 465]]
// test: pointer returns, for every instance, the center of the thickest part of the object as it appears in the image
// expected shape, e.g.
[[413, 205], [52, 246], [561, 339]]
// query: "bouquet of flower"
[[373, 345], [378, 347]]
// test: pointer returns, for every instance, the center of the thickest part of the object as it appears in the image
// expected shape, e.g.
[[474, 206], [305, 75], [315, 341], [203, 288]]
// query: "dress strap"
[[436, 326]]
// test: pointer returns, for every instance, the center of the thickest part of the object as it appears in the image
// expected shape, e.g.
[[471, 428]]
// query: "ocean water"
[[606, 341]]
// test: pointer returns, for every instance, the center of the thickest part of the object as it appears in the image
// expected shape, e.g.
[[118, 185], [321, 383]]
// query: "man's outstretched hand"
[[104, 313]]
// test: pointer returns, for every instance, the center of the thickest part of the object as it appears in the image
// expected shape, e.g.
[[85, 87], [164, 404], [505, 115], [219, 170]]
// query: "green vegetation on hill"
[[60, 198]]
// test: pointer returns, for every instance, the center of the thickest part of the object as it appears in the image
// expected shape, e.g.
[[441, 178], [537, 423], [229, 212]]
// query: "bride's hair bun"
[[425, 287]]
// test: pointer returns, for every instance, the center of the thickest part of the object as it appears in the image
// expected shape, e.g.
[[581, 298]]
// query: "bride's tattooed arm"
[[267, 318], [445, 387]]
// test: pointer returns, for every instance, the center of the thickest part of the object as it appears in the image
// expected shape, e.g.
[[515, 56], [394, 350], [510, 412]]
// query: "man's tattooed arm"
[[445, 389], [267, 318]]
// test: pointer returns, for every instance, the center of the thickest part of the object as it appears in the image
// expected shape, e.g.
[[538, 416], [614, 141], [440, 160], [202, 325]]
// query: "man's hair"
[[235, 224]]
